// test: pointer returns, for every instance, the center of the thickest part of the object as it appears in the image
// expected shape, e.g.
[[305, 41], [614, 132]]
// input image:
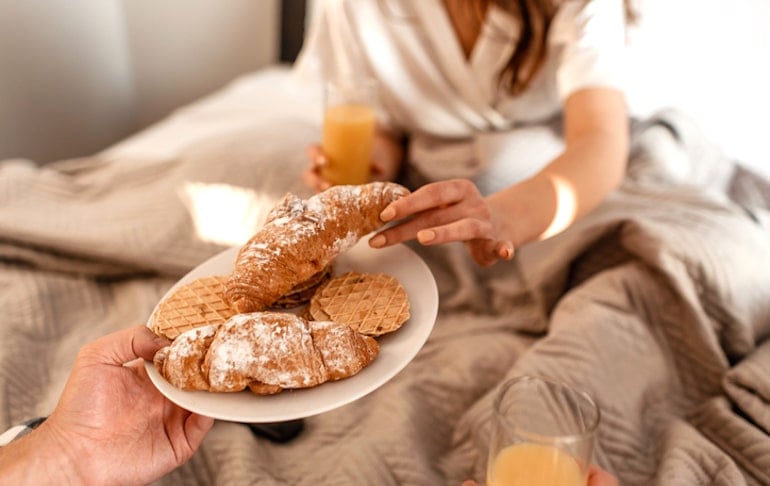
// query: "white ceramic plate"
[[396, 349]]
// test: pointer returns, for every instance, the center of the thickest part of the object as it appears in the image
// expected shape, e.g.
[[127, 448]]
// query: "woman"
[[458, 80]]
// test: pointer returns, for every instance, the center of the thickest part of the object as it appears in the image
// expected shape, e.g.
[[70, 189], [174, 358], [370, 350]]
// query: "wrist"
[[524, 212], [41, 457]]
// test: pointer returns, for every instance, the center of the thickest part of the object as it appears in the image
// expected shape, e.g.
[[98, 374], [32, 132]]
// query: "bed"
[[658, 302]]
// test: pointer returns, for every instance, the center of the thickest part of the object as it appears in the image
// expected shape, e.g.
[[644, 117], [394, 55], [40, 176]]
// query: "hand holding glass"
[[543, 434], [348, 130]]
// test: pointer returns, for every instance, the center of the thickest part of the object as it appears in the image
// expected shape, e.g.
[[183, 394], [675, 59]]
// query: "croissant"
[[301, 237], [266, 352]]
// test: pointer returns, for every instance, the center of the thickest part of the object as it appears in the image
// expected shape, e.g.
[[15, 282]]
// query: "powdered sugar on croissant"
[[266, 352], [301, 237]]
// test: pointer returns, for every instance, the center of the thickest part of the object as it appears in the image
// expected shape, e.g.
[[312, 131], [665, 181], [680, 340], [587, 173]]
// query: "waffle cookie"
[[195, 304], [370, 303]]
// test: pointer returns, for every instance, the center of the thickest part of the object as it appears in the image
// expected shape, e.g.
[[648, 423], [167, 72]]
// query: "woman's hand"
[[111, 425], [387, 156], [313, 174], [599, 477], [447, 211], [570, 186]]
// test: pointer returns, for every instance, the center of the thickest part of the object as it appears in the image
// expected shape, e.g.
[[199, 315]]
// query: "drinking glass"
[[543, 434], [348, 130]]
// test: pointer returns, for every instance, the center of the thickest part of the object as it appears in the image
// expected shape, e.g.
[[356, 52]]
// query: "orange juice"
[[534, 465], [348, 135]]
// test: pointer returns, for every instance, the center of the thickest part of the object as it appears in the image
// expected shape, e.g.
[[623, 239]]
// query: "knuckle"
[[466, 184], [476, 228], [467, 187]]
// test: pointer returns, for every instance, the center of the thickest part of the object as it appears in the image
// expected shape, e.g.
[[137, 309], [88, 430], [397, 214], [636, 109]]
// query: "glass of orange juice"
[[543, 434], [348, 130]]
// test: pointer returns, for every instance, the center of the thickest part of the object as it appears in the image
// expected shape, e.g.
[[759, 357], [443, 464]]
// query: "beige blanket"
[[658, 304]]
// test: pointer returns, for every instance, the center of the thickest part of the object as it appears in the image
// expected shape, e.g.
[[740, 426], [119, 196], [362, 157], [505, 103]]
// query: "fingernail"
[[159, 341], [387, 214], [377, 241], [426, 236]]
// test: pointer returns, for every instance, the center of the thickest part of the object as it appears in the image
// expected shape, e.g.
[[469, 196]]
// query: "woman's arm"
[[590, 167]]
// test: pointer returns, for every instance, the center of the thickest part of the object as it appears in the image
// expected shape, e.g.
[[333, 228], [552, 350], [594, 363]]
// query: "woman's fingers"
[[488, 252], [599, 477], [478, 235], [443, 212], [316, 156], [314, 181], [466, 219], [504, 250], [436, 195], [460, 230], [435, 227], [312, 175]]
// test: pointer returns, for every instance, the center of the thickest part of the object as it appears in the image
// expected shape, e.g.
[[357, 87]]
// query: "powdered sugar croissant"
[[301, 237], [266, 352]]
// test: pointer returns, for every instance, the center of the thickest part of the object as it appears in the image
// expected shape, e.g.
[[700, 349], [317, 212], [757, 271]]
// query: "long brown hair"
[[535, 17]]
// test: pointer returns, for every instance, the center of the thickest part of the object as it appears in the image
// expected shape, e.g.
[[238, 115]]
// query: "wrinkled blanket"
[[658, 303]]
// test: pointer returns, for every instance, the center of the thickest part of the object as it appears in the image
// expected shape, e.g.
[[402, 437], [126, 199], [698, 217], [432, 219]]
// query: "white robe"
[[460, 123]]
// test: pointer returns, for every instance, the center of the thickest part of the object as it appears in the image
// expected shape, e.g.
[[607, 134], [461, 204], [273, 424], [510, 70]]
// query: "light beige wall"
[[181, 49], [65, 83], [79, 75]]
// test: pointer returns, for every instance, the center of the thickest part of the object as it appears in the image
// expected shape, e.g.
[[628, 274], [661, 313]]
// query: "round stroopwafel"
[[195, 304], [370, 303], [303, 291]]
